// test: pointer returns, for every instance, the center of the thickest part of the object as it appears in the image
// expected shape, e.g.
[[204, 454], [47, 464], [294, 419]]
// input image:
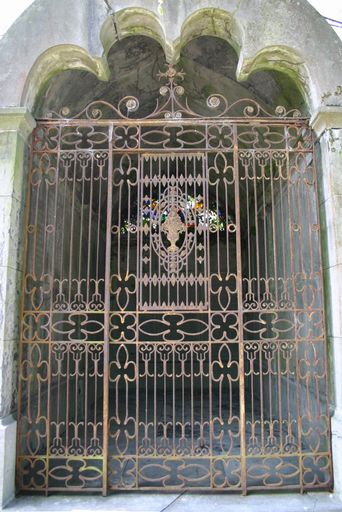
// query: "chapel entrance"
[[173, 326]]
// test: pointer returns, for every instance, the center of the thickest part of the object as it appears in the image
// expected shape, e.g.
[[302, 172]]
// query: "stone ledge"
[[147, 502], [17, 119], [336, 431], [326, 118]]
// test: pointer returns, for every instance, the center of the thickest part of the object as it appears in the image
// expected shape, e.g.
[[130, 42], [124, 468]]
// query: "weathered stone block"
[[8, 428], [11, 232], [10, 290], [333, 304], [12, 156], [8, 376]]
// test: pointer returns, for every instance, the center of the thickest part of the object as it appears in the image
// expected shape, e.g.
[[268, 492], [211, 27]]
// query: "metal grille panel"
[[173, 324]]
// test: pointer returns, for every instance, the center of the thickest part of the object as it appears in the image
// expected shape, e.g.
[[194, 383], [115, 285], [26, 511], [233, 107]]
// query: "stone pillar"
[[15, 126], [327, 123]]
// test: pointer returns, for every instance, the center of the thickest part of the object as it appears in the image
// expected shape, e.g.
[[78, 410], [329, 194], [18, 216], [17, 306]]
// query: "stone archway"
[[252, 56]]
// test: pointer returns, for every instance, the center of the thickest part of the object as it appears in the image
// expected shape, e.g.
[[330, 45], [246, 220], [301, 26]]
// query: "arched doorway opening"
[[173, 332]]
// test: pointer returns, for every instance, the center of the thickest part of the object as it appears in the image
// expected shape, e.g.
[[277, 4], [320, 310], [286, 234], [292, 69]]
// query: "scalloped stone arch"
[[57, 59], [209, 22], [266, 35], [134, 21], [277, 58]]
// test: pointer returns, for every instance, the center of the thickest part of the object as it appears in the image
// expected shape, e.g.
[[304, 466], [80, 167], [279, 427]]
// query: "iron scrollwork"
[[173, 323]]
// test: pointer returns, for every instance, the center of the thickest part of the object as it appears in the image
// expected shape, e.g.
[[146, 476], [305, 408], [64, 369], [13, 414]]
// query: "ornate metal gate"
[[172, 327]]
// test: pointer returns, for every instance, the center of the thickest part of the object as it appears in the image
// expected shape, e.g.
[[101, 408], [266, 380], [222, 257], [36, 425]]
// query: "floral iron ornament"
[[173, 227], [174, 105]]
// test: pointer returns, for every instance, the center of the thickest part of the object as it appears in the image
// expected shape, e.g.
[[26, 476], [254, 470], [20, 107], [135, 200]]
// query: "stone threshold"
[[184, 502]]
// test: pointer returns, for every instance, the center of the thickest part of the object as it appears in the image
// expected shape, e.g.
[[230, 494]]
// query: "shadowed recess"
[[210, 66]]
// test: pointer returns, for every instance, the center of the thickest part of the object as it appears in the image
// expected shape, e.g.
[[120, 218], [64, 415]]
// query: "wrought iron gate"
[[172, 327]]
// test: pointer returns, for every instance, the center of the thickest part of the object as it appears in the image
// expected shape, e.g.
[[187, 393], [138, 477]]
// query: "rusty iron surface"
[[173, 320]]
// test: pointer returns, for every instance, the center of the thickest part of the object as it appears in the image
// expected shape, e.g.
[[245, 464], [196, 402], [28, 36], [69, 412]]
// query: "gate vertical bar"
[[293, 284], [48, 442], [240, 315], [208, 300], [106, 313]]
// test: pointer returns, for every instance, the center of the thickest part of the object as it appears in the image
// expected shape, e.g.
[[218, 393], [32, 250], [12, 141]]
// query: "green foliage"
[[160, 7]]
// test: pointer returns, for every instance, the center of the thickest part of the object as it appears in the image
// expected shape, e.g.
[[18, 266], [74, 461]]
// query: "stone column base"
[[8, 430], [336, 430]]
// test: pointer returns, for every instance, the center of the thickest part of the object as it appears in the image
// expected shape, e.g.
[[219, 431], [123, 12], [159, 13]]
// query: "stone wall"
[[54, 36]]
